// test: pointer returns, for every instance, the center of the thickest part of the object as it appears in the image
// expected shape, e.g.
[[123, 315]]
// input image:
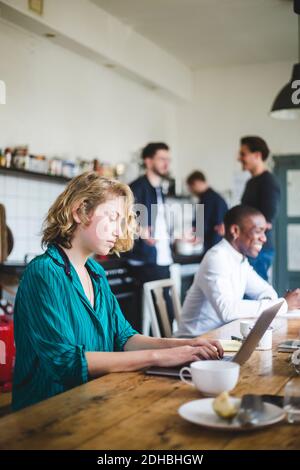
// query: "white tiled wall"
[[26, 202]]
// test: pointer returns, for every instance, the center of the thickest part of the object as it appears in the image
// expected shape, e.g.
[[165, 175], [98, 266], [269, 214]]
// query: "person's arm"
[[134, 351], [217, 286], [257, 288], [143, 351], [293, 299], [105, 362], [212, 347]]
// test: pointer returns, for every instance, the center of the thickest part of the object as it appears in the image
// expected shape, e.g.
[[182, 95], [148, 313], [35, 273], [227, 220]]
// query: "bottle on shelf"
[[8, 157], [2, 159]]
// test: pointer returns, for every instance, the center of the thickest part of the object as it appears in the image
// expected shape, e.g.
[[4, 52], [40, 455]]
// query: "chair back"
[[157, 306]]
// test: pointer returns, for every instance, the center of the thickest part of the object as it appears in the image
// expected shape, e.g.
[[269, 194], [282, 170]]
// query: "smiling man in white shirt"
[[225, 276]]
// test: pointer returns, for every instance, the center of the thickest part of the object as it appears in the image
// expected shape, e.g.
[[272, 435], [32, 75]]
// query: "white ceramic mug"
[[266, 341], [245, 327], [211, 377]]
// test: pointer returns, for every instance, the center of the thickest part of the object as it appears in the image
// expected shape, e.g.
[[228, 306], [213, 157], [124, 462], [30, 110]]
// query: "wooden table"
[[134, 411]]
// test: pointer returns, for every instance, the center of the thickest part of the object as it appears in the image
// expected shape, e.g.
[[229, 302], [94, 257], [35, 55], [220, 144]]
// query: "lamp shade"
[[287, 102]]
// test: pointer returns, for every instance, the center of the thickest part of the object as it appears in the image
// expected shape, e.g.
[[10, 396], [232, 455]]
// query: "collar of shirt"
[[239, 257], [95, 271], [61, 258], [207, 192]]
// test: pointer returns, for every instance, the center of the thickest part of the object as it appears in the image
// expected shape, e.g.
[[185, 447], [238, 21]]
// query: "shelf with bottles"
[[32, 174], [19, 159], [18, 162]]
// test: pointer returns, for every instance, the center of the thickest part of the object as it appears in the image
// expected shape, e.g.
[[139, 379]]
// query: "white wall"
[[81, 26], [63, 104], [231, 102]]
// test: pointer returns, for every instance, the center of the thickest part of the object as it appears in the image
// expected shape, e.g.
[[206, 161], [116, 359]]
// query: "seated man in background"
[[217, 294], [215, 208]]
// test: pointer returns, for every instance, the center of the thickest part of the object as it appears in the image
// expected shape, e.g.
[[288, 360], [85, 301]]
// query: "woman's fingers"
[[195, 358], [212, 351], [218, 345], [204, 355], [213, 345], [214, 354], [207, 352]]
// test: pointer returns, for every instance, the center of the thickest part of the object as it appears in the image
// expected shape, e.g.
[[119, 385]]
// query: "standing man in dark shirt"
[[262, 192], [215, 208]]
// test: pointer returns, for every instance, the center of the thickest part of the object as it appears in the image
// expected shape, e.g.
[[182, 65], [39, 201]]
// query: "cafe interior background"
[[90, 82]]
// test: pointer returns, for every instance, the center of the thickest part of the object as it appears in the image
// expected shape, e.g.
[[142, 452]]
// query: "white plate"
[[201, 412]]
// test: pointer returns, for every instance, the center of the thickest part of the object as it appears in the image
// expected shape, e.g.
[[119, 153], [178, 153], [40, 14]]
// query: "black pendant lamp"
[[287, 102]]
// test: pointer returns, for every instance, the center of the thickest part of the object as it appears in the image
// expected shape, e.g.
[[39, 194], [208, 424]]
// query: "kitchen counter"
[[17, 267]]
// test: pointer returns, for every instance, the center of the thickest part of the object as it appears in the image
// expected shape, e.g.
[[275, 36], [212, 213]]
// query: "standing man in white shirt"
[[151, 256], [217, 294]]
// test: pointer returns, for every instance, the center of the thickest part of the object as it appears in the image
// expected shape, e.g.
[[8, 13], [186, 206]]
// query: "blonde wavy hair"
[[87, 191]]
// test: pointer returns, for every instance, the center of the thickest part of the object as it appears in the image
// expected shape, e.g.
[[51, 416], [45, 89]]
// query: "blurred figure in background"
[[263, 193], [151, 256], [215, 208]]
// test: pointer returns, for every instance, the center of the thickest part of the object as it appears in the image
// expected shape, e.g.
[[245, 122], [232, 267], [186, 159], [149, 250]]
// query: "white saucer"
[[201, 412]]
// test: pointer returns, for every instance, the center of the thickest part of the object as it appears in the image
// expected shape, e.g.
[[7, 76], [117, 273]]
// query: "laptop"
[[248, 346]]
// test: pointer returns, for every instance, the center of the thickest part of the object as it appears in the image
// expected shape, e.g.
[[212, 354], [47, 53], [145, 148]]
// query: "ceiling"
[[203, 33]]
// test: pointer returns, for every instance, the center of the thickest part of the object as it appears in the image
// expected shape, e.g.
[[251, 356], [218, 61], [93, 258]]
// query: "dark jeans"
[[153, 272], [263, 262]]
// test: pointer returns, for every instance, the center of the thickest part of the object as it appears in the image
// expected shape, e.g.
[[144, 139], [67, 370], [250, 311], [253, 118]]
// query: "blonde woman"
[[68, 324]]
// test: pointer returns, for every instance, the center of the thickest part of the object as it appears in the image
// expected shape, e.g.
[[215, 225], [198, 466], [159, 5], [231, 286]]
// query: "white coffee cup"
[[245, 327], [266, 341], [212, 377]]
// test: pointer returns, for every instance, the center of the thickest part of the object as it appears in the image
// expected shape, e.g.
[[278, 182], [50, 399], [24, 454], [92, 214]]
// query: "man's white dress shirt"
[[217, 294], [162, 236]]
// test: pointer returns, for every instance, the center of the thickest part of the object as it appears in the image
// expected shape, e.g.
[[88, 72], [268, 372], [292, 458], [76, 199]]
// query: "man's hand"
[[293, 299]]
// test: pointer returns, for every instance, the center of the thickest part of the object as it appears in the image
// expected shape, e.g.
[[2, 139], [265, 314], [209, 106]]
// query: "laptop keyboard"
[[227, 358]]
